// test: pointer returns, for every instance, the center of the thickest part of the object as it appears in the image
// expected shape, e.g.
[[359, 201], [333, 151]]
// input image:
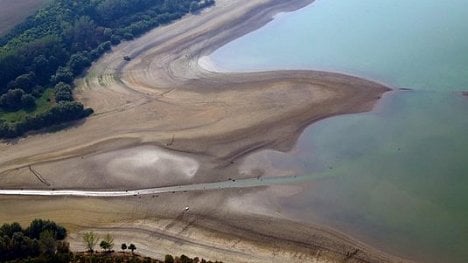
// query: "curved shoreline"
[[147, 100], [130, 86]]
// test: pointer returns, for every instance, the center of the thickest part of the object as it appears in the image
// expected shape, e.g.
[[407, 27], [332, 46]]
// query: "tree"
[[132, 247], [123, 246], [63, 247], [12, 99], [28, 101], [63, 74], [47, 242], [84, 33], [107, 243], [78, 62], [194, 7], [63, 92], [128, 36], [25, 82], [185, 259], [168, 259], [115, 39], [9, 229], [38, 226], [90, 240], [107, 33]]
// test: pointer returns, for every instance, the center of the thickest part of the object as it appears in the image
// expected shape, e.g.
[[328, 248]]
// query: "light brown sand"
[[160, 225]]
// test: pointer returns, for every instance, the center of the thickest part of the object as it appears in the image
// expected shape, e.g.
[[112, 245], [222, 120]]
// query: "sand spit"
[[203, 122]]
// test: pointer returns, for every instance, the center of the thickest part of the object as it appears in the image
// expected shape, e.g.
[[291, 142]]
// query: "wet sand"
[[205, 121]]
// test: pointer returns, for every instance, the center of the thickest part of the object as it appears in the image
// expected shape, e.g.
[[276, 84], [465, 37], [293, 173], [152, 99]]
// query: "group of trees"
[[59, 113], [130, 247], [60, 41], [42, 238], [91, 239], [185, 259], [43, 241]]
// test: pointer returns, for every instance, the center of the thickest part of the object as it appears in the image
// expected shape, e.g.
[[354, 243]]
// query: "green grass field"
[[45, 102]]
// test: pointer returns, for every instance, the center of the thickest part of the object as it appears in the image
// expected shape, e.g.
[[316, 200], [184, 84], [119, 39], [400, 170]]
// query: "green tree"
[[132, 247], [78, 62], [63, 74], [63, 92], [25, 82], [12, 99], [28, 101], [84, 33], [168, 259], [107, 243], [38, 226], [47, 242], [123, 247], [194, 6], [63, 247], [9, 229], [90, 240]]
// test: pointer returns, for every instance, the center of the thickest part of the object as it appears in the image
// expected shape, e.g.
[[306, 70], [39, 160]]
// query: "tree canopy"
[[41, 237]]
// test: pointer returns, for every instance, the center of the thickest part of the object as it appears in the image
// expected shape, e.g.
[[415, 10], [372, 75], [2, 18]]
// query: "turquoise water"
[[414, 43], [396, 177]]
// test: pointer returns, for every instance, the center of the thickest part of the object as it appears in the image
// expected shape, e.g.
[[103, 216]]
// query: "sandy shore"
[[166, 109], [211, 229], [163, 98]]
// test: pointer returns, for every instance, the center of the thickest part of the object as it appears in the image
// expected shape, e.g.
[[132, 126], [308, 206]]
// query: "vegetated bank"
[[40, 58], [44, 241]]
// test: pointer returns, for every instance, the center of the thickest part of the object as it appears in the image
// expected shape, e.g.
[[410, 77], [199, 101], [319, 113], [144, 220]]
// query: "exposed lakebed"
[[396, 177]]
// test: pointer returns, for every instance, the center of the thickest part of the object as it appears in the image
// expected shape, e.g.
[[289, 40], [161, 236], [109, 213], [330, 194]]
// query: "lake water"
[[396, 177]]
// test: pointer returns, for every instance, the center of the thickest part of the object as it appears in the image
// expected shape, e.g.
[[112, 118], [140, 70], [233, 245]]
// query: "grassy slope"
[[13, 12], [45, 102]]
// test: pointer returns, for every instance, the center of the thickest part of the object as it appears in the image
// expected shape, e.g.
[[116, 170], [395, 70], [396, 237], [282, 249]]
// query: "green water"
[[396, 177], [414, 43]]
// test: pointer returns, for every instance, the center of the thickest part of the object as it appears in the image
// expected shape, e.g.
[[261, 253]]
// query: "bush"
[[63, 74], [12, 99], [38, 226], [63, 92], [168, 259], [28, 101], [128, 36], [38, 241]]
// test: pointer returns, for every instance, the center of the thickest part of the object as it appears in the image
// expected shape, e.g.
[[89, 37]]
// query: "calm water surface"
[[396, 177]]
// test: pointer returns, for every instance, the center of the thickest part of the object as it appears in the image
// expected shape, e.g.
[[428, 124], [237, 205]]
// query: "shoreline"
[[164, 81]]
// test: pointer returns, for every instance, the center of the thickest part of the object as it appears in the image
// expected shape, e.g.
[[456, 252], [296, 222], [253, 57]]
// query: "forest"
[[41, 57], [41, 238]]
